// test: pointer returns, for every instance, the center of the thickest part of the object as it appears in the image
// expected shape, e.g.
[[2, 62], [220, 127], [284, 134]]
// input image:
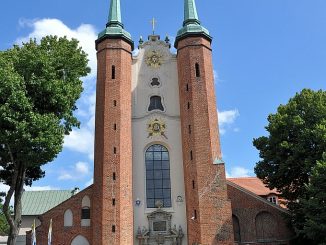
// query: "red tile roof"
[[254, 185]]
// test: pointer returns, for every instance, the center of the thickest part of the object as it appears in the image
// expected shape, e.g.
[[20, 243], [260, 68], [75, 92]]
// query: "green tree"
[[4, 227], [313, 205], [39, 86], [296, 141]]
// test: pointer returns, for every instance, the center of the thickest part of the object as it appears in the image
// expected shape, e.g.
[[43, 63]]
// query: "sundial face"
[[154, 59]]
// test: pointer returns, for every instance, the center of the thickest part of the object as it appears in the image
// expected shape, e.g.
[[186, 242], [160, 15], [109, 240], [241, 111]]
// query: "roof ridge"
[[254, 195]]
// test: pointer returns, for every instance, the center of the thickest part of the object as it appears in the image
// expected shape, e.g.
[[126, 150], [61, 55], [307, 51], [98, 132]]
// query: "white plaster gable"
[[142, 77]]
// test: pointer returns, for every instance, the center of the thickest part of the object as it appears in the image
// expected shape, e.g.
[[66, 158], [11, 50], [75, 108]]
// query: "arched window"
[[155, 103], [67, 218], [158, 183], [266, 227], [86, 211], [236, 229], [80, 240]]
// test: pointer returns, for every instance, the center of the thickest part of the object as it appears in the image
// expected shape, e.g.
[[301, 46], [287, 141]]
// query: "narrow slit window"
[[113, 72], [195, 214], [114, 103], [114, 176], [115, 126], [188, 105], [189, 129], [155, 103], [197, 70], [193, 184], [187, 87], [113, 228], [114, 150], [191, 156], [113, 202]]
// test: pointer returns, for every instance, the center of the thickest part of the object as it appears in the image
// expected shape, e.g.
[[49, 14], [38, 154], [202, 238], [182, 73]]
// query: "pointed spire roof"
[[190, 12], [191, 23], [115, 14], [114, 27]]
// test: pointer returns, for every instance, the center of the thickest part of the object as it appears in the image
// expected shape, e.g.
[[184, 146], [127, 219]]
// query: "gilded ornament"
[[156, 127], [154, 59]]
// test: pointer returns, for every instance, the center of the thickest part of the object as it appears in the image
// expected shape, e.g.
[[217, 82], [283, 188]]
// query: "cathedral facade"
[[159, 177]]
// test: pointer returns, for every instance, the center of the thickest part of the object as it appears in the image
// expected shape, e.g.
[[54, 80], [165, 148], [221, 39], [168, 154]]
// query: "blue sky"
[[264, 51]]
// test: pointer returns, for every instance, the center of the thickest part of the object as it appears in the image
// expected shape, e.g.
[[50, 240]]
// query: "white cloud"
[[215, 75], [239, 172], [226, 119], [4, 188], [82, 168], [85, 34], [78, 171], [80, 140]]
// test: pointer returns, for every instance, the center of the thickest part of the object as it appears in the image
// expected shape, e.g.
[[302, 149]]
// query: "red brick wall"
[[118, 53], [64, 235], [246, 208], [209, 197]]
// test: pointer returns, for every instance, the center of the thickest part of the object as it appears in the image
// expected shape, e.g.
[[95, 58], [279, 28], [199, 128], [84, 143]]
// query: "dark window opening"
[[86, 213], [195, 214], [155, 103], [113, 228], [189, 129], [114, 177], [114, 103], [188, 105], [155, 82], [115, 126], [191, 156], [158, 182], [113, 72], [193, 184], [114, 150], [197, 70], [187, 87], [113, 202]]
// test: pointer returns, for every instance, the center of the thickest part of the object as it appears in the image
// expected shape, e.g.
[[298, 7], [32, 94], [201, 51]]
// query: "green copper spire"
[[115, 14], [190, 13], [114, 27], [191, 23]]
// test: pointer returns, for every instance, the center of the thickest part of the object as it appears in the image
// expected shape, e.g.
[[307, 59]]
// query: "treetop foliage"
[[296, 141], [40, 83]]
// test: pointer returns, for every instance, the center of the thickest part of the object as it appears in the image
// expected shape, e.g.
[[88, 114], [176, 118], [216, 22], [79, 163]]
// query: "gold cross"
[[153, 22]]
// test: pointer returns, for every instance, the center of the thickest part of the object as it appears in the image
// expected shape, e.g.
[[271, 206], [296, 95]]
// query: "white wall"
[[169, 91]]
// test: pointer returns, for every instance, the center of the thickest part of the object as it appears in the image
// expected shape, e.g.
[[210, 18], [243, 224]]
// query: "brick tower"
[[209, 215], [112, 211]]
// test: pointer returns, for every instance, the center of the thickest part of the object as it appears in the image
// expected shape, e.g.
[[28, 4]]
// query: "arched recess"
[[236, 229], [68, 218], [86, 202], [266, 227], [86, 211], [80, 240]]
